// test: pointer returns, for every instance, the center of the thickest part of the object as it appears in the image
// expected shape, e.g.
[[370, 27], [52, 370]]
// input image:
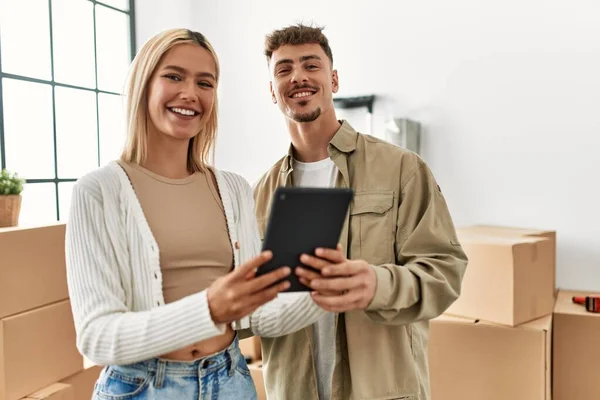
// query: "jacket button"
[[237, 245]]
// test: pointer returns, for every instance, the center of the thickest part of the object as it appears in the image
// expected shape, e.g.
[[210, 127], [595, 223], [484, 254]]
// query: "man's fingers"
[[340, 303], [335, 256], [315, 262], [336, 284], [307, 274], [323, 292], [345, 269], [249, 267]]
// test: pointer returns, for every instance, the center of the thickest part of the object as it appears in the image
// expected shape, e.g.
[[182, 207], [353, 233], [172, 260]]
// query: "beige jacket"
[[400, 224]]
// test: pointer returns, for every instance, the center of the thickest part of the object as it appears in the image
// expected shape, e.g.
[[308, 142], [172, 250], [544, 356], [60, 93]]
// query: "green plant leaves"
[[10, 183]]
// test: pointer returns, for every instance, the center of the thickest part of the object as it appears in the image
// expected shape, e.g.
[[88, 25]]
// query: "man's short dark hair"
[[296, 35]]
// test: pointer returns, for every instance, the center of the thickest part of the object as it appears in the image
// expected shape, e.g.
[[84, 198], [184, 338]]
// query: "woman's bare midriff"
[[203, 348]]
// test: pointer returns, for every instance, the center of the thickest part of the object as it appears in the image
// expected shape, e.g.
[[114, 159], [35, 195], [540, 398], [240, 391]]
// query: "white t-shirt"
[[320, 174]]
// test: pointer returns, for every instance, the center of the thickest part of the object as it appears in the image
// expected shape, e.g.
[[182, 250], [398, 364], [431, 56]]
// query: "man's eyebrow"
[[185, 71], [302, 59], [310, 57], [284, 61]]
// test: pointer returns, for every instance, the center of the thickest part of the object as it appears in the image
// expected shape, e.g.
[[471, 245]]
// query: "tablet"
[[302, 219]]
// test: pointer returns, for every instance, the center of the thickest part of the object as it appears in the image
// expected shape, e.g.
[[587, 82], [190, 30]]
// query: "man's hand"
[[239, 293], [343, 285]]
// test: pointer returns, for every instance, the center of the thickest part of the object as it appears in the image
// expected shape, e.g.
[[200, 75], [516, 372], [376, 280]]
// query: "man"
[[398, 265]]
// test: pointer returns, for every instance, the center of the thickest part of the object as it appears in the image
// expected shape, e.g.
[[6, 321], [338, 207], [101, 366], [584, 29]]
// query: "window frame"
[[56, 180]]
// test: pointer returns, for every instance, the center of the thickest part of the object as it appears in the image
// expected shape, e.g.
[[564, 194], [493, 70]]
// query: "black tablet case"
[[302, 219]]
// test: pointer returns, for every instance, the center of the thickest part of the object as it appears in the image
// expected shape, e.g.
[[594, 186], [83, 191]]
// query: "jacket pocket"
[[372, 226]]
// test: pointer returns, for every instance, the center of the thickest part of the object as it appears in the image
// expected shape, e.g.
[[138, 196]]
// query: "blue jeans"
[[222, 376]]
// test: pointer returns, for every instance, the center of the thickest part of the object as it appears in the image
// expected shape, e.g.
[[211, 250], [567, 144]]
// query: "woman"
[[162, 248]]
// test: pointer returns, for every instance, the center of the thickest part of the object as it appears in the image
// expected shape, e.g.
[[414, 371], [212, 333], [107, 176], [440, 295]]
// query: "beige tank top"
[[187, 218]]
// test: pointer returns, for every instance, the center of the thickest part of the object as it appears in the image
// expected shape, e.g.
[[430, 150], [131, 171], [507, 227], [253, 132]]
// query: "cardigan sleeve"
[[108, 332]]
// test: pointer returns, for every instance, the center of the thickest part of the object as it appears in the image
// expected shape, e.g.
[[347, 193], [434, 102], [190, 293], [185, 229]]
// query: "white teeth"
[[302, 94], [183, 111]]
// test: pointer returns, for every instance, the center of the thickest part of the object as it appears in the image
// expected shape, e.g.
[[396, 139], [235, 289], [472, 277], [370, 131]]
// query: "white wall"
[[508, 92], [152, 16]]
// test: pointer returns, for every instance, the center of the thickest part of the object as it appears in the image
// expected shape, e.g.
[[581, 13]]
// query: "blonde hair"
[[201, 147]]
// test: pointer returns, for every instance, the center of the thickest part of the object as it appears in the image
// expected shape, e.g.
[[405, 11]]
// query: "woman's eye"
[[205, 84], [173, 77]]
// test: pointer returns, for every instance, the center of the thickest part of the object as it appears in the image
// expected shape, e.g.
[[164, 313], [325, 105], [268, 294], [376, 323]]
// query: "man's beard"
[[305, 117]]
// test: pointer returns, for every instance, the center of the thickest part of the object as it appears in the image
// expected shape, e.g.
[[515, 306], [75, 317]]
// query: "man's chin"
[[306, 116]]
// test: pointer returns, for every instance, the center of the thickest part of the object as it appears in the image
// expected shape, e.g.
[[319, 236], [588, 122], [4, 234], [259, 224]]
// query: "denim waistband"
[[192, 368]]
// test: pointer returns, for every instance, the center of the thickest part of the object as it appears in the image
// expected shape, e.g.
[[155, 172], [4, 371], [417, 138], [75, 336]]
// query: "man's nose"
[[299, 76]]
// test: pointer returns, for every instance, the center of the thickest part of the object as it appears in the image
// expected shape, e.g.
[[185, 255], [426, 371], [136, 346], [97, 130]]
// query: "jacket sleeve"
[[108, 332], [430, 260]]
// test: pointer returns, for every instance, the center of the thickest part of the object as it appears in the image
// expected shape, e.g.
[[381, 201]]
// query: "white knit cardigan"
[[115, 281]]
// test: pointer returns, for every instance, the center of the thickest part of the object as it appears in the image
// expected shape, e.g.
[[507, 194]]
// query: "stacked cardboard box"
[[83, 382], [510, 276], [495, 340], [37, 334], [79, 386], [576, 354], [251, 349], [257, 376], [57, 391]]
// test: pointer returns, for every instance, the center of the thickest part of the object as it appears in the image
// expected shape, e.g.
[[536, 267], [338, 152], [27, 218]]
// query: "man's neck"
[[311, 139]]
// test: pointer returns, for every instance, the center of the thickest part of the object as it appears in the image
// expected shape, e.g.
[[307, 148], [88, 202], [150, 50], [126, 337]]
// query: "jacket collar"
[[343, 141]]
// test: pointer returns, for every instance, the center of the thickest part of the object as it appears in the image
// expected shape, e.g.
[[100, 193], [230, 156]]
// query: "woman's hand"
[[239, 293]]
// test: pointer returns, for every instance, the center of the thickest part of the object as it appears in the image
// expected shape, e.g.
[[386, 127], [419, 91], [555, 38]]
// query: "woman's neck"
[[167, 156]]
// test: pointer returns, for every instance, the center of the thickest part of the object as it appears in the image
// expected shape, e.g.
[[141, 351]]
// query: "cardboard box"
[[508, 279], [56, 391], [575, 350], [498, 230], [475, 360], [32, 272], [37, 348], [251, 347], [257, 378], [83, 382]]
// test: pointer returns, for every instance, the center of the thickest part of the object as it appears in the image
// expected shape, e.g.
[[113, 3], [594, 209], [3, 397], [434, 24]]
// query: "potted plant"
[[11, 186]]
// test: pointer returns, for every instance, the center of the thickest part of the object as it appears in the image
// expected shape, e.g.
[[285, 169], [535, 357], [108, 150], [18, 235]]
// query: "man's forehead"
[[296, 52]]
